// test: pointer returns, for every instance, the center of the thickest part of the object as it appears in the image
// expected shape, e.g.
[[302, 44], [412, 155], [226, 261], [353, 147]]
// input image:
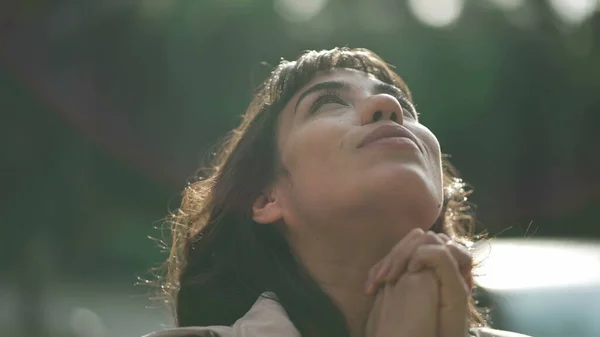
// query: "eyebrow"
[[378, 88], [328, 85]]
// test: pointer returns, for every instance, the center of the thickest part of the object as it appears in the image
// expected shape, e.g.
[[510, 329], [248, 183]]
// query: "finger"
[[453, 290], [464, 260], [445, 237], [436, 237], [409, 307], [384, 263], [375, 269], [380, 270], [461, 254], [403, 255], [453, 322], [433, 238]]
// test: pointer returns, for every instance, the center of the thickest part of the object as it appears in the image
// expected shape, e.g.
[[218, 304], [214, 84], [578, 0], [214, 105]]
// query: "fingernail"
[[375, 268], [382, 270]]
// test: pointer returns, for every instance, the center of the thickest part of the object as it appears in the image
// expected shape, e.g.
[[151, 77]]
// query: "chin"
[[413, 194]]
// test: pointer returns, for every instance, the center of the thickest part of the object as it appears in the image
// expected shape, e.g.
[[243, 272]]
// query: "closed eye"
[[406, 105], [326, 97]]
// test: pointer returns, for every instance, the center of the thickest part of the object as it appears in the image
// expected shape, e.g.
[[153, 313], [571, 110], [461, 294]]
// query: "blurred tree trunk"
[[30, 287]]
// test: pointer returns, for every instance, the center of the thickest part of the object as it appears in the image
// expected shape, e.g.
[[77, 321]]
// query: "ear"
[[267, 208]]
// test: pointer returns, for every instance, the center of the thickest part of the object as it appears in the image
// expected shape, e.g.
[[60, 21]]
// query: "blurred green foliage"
[[108, 107]]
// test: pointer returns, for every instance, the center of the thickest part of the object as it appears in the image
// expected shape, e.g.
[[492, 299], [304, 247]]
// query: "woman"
[[328, 212]]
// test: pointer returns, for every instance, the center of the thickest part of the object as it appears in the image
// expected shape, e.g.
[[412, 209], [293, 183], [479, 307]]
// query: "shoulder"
[[210, 331], [266, 318], [489, 332]]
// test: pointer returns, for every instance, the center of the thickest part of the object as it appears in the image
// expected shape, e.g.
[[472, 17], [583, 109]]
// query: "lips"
[[387, 131]]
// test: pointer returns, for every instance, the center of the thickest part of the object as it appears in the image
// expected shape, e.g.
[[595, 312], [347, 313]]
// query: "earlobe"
[[266, 209]]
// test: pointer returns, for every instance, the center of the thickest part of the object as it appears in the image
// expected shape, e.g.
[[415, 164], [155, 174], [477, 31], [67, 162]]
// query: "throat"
[[355, 306]]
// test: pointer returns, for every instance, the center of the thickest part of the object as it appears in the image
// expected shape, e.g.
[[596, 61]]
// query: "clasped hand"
[[421, 288]]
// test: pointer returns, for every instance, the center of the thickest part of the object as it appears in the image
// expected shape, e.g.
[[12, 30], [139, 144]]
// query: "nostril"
[[393, 117], [377, 115]]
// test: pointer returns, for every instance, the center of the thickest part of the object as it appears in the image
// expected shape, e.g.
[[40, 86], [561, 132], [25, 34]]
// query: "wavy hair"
[[220, 260]]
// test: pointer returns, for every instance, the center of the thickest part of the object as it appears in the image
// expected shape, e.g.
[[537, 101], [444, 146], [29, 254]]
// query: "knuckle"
[[460, 252], [416, 231], [432, 235], [440, 252], [424, 277], [431, 239], [439, 255], [445, 236]]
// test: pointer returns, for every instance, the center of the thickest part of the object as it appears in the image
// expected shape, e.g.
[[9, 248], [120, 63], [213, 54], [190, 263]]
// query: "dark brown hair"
[[221, 260]]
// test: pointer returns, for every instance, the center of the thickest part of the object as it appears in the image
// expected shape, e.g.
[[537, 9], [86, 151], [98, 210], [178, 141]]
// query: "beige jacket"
[[267, 318]]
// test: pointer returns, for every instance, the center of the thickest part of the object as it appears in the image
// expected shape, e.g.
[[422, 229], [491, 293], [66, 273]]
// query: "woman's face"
[[334, 179]]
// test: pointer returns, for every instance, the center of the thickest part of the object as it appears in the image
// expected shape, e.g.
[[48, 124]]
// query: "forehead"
[[353, 77]]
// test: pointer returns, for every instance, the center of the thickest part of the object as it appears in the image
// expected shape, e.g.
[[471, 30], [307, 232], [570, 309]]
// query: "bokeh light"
[[86, 323], [574, 12], [110, 107], [299, 11], [535, 264], [436, 13]]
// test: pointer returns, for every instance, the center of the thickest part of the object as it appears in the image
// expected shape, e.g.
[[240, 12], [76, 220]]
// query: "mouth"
[[389, 131]]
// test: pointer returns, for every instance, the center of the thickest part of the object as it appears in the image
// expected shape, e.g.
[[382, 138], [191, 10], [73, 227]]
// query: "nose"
[[380, 107]]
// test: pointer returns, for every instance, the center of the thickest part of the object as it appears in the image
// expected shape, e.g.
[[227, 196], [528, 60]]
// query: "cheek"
[[434, 160], [313, 157], [313, 147], [429, 140]]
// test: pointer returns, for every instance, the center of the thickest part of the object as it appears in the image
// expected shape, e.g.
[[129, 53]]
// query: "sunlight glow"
[[436, 13], [86, 323], [574, 11], [526, 264], [299, 11]]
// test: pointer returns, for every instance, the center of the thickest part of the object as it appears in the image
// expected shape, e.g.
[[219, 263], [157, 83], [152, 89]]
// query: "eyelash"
[[406, 105], [334, 97], [326, 97]]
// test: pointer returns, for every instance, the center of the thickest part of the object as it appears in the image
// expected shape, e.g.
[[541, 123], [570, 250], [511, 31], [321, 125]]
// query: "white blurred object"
[[574, 11], [86, 323], [299, 11], [528, 263], [542, 287], [436, 13]]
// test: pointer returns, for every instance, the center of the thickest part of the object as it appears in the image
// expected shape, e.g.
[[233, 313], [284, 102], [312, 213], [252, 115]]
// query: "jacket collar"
[[266, 318]]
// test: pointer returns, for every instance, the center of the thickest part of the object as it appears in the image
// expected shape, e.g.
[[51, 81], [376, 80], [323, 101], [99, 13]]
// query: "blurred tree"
[[108, 108]]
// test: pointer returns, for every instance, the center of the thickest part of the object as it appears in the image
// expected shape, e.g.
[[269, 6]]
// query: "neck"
[[345, 284], [341, 266]]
